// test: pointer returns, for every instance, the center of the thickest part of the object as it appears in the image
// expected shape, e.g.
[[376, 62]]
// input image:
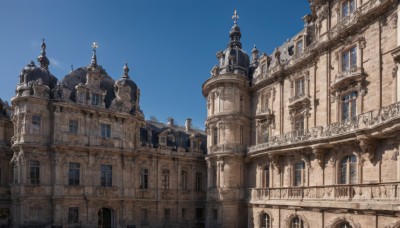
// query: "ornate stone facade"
[[82, 155], [314, 141]]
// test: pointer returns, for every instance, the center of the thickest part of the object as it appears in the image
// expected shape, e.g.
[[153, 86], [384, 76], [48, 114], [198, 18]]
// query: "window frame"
[[265, 176], [105, 175], [351, 106], [36, 123], [299, 46], [165, 179], [299, 87], [74, 174], [299, 173], [299, 222], [73, 215], [105, 130], [298, 124], [349, 174], [215, 135], [96, 99], [144, 178], [265, 220], [73, 126], [351, 64], [199, 181], [184, 180], [343, 14], [34, 172]]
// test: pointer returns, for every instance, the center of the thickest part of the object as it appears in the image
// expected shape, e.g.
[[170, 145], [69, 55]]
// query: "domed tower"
[[228, 133]]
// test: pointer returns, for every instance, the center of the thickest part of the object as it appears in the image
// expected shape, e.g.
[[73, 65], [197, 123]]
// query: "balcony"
[[387, 192], [368, 122], [345, 78], [299, 101]]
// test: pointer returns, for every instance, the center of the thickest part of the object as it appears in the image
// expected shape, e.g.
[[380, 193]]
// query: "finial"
[[126, 71], [235, 16], [42, 59], [43, 47], [254, 49], [94, 57]]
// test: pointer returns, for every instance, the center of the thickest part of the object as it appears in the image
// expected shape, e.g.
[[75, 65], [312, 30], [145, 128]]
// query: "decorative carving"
[[276, 162], [319, 155], [345, 218], [394, 71], [367, 146], [395, 155]]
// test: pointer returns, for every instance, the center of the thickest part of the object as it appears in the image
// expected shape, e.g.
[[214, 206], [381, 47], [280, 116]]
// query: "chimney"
[[188, 124], [170, 121]]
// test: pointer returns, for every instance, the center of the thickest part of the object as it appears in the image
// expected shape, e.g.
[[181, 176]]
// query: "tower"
[[228, 133]]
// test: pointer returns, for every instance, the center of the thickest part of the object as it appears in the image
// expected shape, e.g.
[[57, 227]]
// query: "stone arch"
[[257, 219], [294, 215], [345, 218]]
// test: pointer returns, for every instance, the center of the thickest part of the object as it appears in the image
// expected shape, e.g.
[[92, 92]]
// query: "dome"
[[32, 73], [79, 76]]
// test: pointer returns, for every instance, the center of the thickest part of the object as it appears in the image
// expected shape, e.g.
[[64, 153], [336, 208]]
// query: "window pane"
[[352, 5], [298, 175], [345, 8], [106, 175], [353, 57], [343, 171], [353, 169], [345, 61]]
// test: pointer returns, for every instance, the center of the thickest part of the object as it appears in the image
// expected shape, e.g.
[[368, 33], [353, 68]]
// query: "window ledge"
[[345, 78]]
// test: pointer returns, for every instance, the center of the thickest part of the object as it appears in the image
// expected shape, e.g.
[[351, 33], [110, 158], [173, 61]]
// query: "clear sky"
[[170, 45]]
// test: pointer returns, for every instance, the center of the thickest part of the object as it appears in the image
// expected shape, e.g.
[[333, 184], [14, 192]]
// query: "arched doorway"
[[105, 217]]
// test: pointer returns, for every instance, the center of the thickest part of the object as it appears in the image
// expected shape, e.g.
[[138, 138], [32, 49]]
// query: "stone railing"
[[367, 120], [378, 192]]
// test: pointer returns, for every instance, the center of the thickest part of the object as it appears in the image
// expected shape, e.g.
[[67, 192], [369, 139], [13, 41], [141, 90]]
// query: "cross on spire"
[[235, 16]]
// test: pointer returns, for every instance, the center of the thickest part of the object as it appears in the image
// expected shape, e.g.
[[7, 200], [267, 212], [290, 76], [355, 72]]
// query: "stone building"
[[308, 136], [79, 153]]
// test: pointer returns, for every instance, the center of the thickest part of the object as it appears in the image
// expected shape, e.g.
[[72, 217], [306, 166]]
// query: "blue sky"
[[170, 45]]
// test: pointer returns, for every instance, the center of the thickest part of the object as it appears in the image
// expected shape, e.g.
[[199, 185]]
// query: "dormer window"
[[95, 99], [299, 47], [348, 7], [349, 59]]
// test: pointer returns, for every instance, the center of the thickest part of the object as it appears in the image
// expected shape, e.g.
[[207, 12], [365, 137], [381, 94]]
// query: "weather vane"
[[235, 17], [94, 46]]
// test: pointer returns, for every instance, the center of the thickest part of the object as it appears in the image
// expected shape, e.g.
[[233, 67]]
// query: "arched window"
[[297, 223], [265, 177], [348, 170], [299, 173], [265, 221], [344, 225]]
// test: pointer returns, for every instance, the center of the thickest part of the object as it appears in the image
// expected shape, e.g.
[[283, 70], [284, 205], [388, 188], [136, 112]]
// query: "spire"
[[42, 59], [254, 53], [94, 57], [235, 33], [126, 71]]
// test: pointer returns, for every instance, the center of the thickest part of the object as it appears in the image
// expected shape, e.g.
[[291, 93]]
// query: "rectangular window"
[[349, 106], [299, 47], [144, 178], [265, 135], [266, 177], [349, 59], [95, 99], [199, 214], [199, 182], [144, 214], [167, 214], [73, 215], [299, 173], [215, 135], [73, 126], [183, 213], [184, 180], [36, 122], [299, 89], [106, 175], [299, 124], [165, 179], [105, 130], [74, 174], [34, 172], [241, 134], [348, 7], [215, 214]]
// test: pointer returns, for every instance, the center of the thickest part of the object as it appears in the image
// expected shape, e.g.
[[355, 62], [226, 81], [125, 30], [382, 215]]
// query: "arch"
[[345, 218], [291, 217], [259, 218]]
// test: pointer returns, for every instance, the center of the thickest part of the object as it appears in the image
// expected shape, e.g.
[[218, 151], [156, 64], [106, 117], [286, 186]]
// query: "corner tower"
[[228, 133]]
